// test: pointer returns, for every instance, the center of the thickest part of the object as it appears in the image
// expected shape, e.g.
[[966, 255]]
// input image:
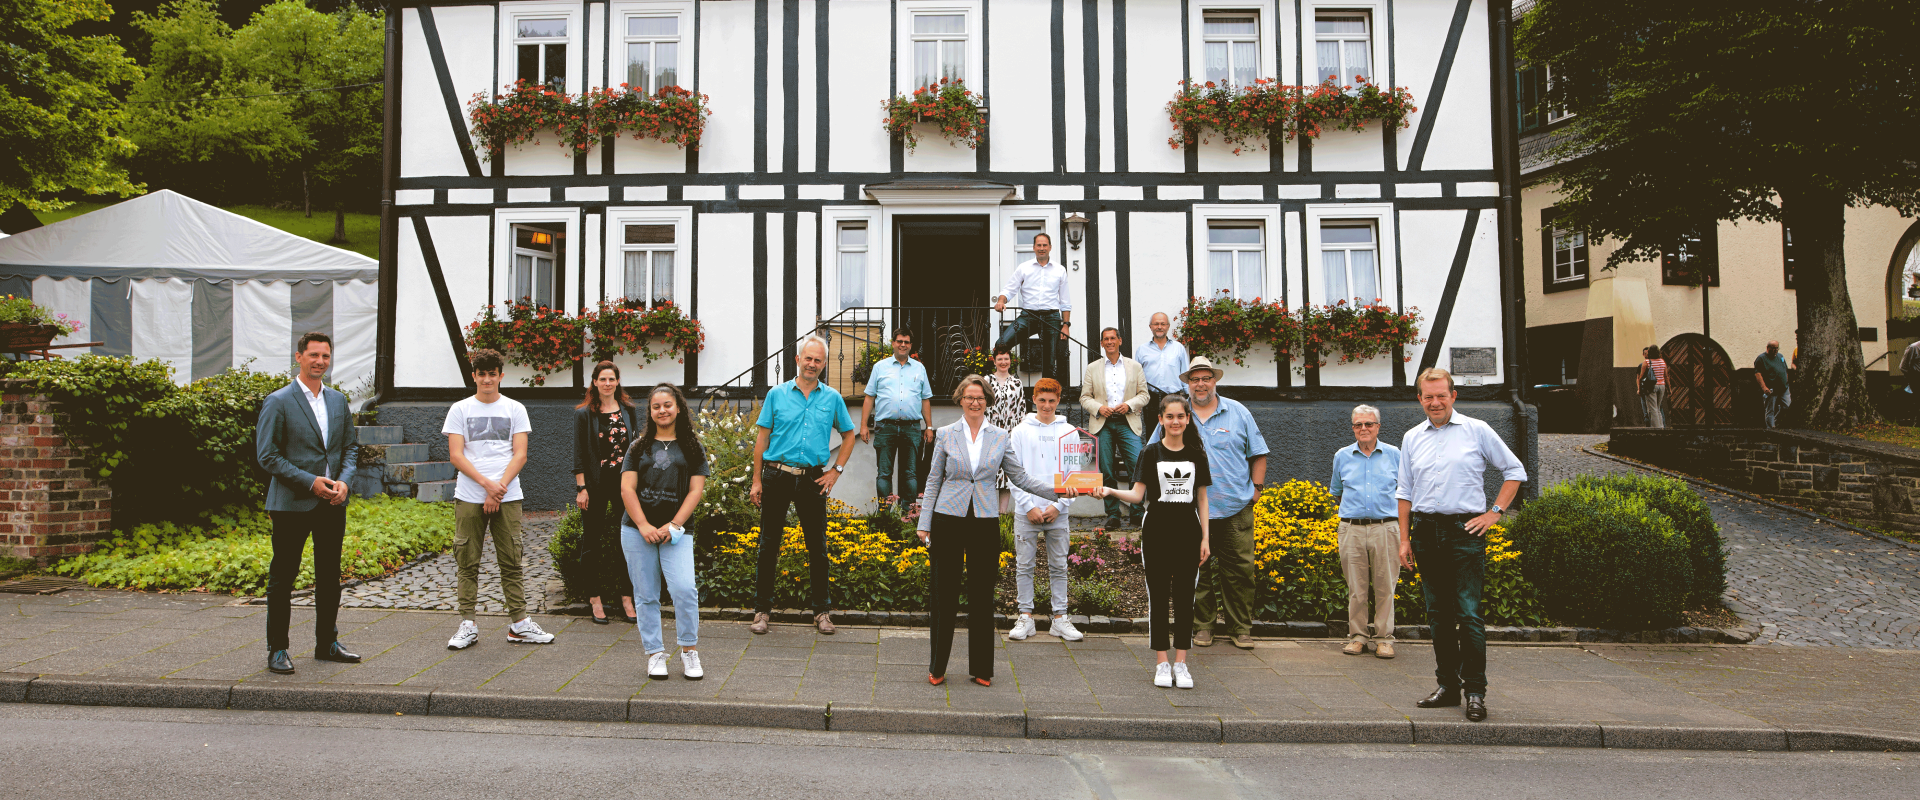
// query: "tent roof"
[[169, 235]]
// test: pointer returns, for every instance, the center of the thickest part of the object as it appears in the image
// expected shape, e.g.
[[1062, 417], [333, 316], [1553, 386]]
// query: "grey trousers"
[[1026, 544], [1655, 406]]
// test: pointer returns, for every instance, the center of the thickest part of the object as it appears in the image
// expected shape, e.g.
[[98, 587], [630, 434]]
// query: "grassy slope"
[[363, 230]]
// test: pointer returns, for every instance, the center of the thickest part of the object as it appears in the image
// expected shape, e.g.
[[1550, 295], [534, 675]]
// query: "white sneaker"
[[527, 631], [690, 665], [1181, 677], [1163, 675], [1022, 628], [657, 666], [1064, 629], [465, 637]]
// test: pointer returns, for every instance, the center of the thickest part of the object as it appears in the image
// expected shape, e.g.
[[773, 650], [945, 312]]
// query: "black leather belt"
[[1368, 521], [793, 469], [1445, 517]]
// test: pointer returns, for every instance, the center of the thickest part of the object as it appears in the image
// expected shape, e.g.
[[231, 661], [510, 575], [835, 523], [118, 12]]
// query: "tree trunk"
[[339, 225], [1830, 388], [306, 195]]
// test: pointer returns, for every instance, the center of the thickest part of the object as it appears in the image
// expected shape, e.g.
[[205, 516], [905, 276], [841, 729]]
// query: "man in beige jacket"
[[1114, 390]]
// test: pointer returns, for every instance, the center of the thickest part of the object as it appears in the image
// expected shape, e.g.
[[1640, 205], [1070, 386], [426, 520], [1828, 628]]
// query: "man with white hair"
[[1365, 476], [790, 452]]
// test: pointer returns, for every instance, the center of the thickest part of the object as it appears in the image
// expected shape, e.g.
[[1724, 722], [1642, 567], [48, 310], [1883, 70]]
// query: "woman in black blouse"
[[603, 426]]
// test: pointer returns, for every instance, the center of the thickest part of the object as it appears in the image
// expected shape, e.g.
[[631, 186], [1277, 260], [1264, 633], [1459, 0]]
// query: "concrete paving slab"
[[602, 707], [101, 690], [1010, 724]]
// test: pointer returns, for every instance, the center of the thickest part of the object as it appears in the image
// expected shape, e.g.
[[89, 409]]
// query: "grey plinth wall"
[[1302, 436]]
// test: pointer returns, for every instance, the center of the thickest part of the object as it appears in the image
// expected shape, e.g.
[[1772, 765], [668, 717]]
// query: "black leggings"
[[601, 558], [1170, 554]]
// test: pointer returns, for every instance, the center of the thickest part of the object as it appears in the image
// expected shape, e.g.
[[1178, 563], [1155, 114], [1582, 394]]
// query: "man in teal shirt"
[[894, 417], [1770, 371], [797, 420]]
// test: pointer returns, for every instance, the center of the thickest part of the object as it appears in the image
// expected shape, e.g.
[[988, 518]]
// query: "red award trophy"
[[1079, 462]]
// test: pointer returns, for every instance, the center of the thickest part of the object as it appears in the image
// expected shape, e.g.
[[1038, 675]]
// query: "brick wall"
[[1868, 482], [49, 505]]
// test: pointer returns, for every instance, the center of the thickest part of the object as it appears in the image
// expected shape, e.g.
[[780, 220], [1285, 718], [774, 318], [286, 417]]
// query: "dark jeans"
[[602, 561], [965, 552], [1046, 325], [1453, 564], [897, 440], [777, 491], [1119, 454], [328, 526]]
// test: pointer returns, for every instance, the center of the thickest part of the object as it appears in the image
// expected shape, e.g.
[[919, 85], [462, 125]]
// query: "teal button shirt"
[[801, 426]]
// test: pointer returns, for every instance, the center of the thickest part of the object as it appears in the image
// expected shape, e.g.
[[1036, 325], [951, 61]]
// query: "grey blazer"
[[959, 487], [287, 440]]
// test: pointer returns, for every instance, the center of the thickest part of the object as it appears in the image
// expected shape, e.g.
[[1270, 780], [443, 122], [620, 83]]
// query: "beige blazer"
[[1093, 393]]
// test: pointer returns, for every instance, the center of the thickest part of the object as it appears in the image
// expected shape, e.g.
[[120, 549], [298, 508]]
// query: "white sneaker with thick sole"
[[527, 631], [1181, 677], [690, 665], [1064, 629], [465, 637], [1163, 675], [1022, 628], [657, 666]]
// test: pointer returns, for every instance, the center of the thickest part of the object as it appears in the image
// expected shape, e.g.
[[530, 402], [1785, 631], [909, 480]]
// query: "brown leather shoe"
[[1383, 650], [759, 623], [1203, 638], [824, 620], [1243, 641], [1355, 647]]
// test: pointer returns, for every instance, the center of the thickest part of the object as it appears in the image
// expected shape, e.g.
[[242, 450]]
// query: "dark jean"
[[328, 526], [897, 439], [965, 552], [778, 490], [1046, 325], [601, 558], [1453, 565], [1119, 454]]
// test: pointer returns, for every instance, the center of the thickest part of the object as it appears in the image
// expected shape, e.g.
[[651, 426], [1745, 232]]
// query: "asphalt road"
[[62, 751]]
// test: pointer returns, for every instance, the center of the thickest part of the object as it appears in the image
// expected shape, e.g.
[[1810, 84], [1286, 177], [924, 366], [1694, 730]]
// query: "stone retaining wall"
[[1867, 482], [50, 505]]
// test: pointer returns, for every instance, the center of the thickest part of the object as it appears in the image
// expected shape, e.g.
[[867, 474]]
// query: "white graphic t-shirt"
[[488, 429], [1172, 476]]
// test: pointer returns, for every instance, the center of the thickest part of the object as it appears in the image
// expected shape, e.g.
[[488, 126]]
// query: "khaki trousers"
[[471, 525], [1370, 560], [1225, 585]]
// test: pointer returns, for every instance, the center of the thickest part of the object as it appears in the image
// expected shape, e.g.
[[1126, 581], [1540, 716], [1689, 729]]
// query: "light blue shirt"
[[1163, 365], [1231, 437], [897, 389], [1364, 484], [1443, 470], [800, 426]]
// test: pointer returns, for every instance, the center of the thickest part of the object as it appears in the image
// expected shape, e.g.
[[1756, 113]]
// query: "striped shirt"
[[1658, 366]]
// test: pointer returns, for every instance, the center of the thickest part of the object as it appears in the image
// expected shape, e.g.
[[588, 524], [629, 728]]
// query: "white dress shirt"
[[318, 402], [1040, 287], [1443, 469], [1116, 381], [973, 445]]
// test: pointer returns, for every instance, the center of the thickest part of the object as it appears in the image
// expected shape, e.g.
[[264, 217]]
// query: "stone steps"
[[391, 465]]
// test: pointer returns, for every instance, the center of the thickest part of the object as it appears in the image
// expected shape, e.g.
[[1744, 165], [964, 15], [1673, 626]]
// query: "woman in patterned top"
[[603, 425], [1653, 400], [1009, 409]]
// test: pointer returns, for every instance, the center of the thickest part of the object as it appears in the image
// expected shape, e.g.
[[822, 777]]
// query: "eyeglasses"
[[1366, 424]]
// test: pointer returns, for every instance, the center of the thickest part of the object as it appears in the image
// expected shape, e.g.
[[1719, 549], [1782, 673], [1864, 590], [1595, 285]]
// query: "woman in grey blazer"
[[960, 522]]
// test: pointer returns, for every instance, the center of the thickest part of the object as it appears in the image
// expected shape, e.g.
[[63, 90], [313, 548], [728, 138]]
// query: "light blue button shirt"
[[801, 426], [1443, 470], [1231, 437], [1163, 365], [897, 389], [1364, 484]]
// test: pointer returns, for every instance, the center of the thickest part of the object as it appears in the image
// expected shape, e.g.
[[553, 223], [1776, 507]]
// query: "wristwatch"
[[838, 468], [1498, 510]]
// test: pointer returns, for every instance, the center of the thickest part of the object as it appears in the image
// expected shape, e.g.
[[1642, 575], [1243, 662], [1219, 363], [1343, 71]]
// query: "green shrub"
[[564, 546], [1691, 517], [231, 553], [1604, 558], [1090, 596], [728, 437]]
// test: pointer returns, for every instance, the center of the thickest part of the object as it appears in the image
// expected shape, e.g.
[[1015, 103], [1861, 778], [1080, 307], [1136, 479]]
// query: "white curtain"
[[356, 333], [72, 297], [163, 324], [263, 325]]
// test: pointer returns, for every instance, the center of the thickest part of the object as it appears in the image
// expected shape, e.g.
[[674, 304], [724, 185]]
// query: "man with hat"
[[1237, 457]]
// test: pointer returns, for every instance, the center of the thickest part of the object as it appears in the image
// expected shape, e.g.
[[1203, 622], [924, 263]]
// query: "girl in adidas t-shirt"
[[1173, 479]]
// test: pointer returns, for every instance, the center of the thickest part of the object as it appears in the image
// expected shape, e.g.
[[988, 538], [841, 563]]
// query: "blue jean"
[[901, 439], [1453, 565], [648, 563], [1119, 453], [1045, 324]]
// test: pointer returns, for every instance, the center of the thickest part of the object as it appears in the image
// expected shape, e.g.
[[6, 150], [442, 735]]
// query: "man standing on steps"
[[1770, 371], [797, 420], [305, 440], [1040, 287], [1444, 520], [896, 418], [1163, 360]]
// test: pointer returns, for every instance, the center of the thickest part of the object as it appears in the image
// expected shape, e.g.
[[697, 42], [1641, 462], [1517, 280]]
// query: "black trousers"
[[1170, 554], [778, 490], [965, 552], [602, 559], [328, 526]]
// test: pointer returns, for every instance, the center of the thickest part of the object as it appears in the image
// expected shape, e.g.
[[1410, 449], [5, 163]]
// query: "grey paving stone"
[[361, 699], [92, 690]]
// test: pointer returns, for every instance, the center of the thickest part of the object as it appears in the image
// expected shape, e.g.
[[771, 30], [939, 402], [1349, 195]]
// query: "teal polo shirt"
[[800, 426]]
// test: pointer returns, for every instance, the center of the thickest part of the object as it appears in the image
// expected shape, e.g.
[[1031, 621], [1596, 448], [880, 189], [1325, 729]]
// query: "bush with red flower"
[[537, 337], [548, 341], [672, 115], [956, 110], [1225, 328], [1268, 110]]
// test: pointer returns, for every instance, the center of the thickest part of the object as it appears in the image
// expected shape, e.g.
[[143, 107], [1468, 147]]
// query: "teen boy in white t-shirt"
[[487, 438]]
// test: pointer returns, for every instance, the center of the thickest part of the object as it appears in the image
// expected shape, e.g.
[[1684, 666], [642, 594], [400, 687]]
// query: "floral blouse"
[[616, 436]]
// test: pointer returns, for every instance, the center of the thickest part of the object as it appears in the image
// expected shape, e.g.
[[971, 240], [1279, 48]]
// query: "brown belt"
[[791, 469]]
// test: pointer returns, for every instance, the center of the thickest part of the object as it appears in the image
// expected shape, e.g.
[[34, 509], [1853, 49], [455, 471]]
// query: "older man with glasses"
[[1365, 476]]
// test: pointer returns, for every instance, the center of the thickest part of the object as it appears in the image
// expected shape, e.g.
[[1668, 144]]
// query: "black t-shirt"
[[665, 475], [1172, 476]]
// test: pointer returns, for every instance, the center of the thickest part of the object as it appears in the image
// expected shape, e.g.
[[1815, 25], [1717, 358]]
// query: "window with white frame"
[[540, 48], [851, 244], [939, 47], [653, 51], [1350, 260], [537, 250], [1566, 250], [1230, 44], [1024, 232], [1343, 46], [1236, 258], [647, 255]]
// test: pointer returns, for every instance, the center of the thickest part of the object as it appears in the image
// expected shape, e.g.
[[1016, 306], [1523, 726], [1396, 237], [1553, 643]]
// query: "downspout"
[[389, 229], [1506, 160]]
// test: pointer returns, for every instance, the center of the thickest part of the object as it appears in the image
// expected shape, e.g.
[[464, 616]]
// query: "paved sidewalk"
[[122, 648]]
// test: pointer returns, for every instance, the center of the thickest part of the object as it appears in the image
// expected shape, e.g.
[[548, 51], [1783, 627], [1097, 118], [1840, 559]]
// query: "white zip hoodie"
[[1038, 447]]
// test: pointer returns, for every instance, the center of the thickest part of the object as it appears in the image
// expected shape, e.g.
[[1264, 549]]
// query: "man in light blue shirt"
[[1163, 360], [1365, 475], [894, 418], [790, 452], [1237, 457]]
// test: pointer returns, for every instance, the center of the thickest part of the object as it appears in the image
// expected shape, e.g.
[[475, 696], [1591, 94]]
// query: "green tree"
[[58, 116], [1768, 110]]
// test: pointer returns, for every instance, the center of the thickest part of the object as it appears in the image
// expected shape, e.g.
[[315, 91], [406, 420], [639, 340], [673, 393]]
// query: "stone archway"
[[1902, 327]]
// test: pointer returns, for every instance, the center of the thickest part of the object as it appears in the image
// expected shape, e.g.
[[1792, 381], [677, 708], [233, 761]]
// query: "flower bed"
[[546, 340], [672, 115], [1268, 110], [950, 105], [1225, 328]]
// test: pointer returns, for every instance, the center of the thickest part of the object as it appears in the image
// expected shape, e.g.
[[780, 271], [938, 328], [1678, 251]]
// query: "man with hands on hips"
[[790, 454]]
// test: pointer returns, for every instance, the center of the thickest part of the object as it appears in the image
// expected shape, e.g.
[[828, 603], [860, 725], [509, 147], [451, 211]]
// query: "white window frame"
[[1376, 13], [1272, 246], [615, 246], [1006, 242], [976, 50], [1372, 245], [1381, 215], [568, 262], [683, 60], [878, 262], [1265, 19], [841, 249], [510, 16], [1554, 113], [1553, 235]]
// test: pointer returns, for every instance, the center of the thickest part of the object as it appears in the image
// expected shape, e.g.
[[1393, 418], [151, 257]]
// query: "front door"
[[941, 277], [1699, 381]]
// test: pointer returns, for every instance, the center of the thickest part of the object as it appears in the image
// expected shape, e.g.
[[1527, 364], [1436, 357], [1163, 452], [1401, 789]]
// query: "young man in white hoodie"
[[1037, 440]]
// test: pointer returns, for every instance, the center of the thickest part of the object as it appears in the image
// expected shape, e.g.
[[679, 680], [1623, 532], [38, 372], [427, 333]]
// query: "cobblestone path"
[[432, 583]]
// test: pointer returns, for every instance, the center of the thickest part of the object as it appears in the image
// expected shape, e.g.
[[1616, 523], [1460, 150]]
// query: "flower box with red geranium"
[[539, 341], [650, 345], [578, 122], [1268, 110], [1355, 332], [948, 108], [1229, 330]]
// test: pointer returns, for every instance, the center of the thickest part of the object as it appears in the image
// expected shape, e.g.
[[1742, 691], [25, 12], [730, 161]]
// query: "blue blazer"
[[287, 441], [956, 487]]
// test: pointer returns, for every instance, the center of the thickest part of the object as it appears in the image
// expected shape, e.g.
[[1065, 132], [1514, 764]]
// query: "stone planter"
[[639, 376]]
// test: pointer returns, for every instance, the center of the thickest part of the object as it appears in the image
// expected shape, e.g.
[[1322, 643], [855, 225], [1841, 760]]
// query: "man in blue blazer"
[[306, 443]]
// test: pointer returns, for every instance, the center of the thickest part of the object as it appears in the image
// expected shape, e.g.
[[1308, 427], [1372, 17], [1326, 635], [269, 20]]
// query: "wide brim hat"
[[1199, 363]]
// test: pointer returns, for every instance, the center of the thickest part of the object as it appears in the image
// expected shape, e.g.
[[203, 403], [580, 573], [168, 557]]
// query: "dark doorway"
[[1700, 385], [942, 292]]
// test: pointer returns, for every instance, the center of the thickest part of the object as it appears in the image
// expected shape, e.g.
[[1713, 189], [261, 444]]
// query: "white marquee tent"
[[165, 276]]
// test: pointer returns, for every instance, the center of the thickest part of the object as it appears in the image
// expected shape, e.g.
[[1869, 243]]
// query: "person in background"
[[661, 482], [1041, 289], [1365, 475], [790, 470], [1910, 370], [1162, 359], [1009, 408], [603, 426], [899, 405], [1770, 371], [487, 441], [1653, 402], [1113, 391], [1036, 440]]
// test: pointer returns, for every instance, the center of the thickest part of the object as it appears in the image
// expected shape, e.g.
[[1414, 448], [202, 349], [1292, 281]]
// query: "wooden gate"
[[1699, 381]]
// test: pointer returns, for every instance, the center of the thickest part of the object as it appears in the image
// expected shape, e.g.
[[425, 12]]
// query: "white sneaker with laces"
[[1181, 677], [1063, 628], [657, 666], [690, 665], [527, 631], [1022, 628], [1163, 675], [465, 637]]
